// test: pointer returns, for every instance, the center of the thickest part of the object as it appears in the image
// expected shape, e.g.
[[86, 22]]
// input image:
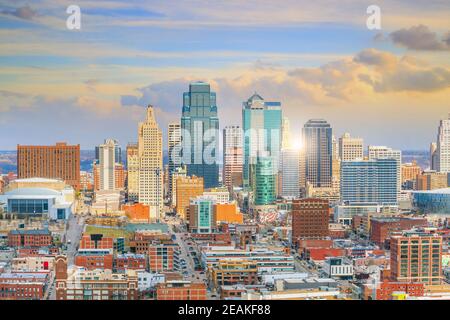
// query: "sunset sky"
[[389, 86]]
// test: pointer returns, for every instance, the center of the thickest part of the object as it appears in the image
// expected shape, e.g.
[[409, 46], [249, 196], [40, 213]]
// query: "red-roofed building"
[[320, 254]]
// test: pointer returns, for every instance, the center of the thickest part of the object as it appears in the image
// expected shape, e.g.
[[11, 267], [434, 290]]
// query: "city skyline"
[[233, 152], [319, 61]]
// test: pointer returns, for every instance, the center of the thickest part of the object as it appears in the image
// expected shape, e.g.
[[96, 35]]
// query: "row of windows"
[[31, 206]]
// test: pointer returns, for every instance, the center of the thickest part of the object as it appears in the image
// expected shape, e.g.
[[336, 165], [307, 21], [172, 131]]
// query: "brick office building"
[[163, 257], [92, 259], [95, 252], [382, 228], [60, 161], [386, 289], [310, 218], [30, 238], [96, 241], [23, 285], [416, 257], [130, 261], [78, 284], [230, 272], [180, 290]]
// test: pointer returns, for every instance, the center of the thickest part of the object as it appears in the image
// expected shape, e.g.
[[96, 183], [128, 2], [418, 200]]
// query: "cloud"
[[86, 120], [366, 79], [420, 37], [166, 95], [25, 12], [11, 94], [376, 58], [403, 74]]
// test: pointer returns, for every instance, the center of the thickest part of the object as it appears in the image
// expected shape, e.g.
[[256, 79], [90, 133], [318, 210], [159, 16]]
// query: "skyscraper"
[[150, 164], [336, 166], [232, 156], [285, 134], [350, 148], [133, 172], [317, 141], [106, 163], [382, 152], [200, 133], [369, 182], [117, 151], [173, 148], [261, 121], [443, 146], [433, 156], [290, 173], [60, 161], [263, 179]]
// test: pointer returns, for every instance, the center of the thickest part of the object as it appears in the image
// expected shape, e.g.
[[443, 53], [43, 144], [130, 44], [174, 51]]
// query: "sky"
[[318, 58]]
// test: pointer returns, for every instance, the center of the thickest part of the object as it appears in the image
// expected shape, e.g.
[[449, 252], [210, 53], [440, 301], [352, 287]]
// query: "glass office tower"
[[369, 182], [262, 180], [261, 122], [200, 133], [317, 141]]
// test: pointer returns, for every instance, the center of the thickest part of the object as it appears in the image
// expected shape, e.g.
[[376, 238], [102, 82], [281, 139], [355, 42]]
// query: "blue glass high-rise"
[[200, 133], [261, 122], [369, 182]]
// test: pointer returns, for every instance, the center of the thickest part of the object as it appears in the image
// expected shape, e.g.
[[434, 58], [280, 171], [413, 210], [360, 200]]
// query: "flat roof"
[[33, 231], [442, 191], [32, 192]]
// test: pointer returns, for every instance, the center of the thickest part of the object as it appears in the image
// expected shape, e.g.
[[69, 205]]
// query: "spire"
[[150, 114]]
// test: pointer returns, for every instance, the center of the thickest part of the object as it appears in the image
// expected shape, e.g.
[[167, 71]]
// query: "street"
[[189, 272], [73, 236]]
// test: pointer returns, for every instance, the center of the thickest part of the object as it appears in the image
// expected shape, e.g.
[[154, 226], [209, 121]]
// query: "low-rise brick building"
[[163, 257], [23, 285], [30, 238], [382, 228], [180, 290], [80, 284], [130, 261]]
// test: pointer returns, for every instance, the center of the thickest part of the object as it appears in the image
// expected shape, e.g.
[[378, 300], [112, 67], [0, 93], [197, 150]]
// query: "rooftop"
[[35, 231], [32, 192], [435, 191], [37, 179]]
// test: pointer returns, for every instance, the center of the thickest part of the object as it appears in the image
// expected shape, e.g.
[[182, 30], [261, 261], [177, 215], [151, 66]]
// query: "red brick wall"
[[95, 262], [195, 291]]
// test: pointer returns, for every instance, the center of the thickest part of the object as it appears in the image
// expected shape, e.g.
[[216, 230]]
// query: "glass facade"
[[204, 215], [28, 206], [263, 181], [200, 133], [317, 141], [261, 122], [370, 181], [435, 201]]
